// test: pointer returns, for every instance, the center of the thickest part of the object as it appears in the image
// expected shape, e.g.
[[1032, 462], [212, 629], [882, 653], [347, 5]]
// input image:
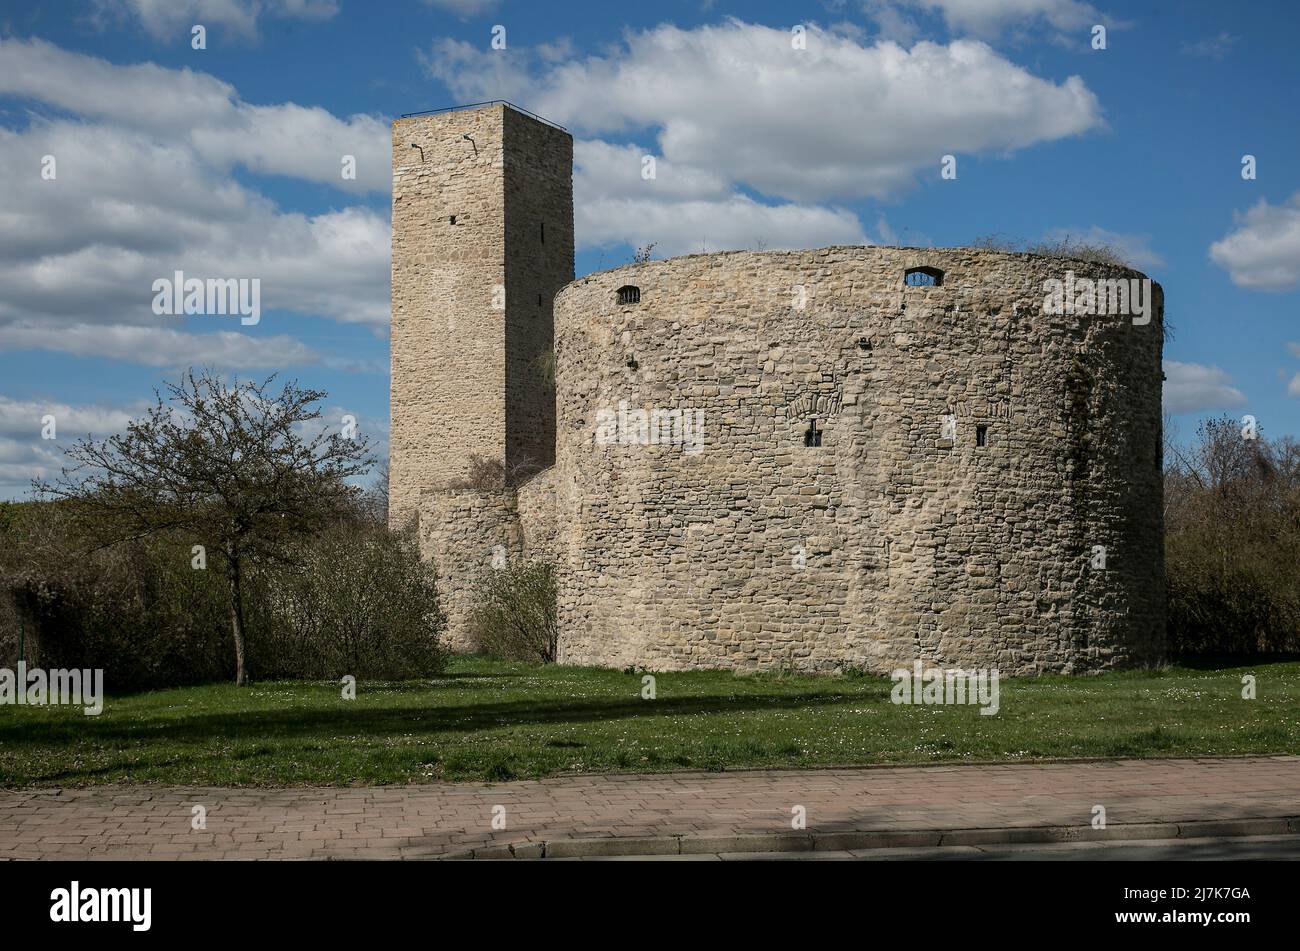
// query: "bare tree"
[[243, 471]]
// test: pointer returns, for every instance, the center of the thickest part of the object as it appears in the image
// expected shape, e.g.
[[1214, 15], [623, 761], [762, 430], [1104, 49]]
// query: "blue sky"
[[225, 161]]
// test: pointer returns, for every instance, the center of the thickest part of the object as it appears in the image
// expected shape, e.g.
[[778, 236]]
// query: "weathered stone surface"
[[895, 536], [911, 546], [472, 319]]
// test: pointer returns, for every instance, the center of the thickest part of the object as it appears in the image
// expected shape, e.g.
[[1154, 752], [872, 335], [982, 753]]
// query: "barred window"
[[923, 277]]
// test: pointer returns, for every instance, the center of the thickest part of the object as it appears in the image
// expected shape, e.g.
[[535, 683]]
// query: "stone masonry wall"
[[888, 542], [461, 532], [469, 338], [539, 242], [467, 533]]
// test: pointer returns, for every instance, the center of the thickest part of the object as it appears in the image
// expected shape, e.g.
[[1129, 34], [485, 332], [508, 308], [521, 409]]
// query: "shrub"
[[362, 602], [1232, 543], [355, 599], [1095, 252], [515, 615], [493, 475], [137, 610]]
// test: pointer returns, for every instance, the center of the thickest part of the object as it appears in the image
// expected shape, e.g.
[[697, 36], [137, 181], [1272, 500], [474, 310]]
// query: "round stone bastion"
[[860, 457]]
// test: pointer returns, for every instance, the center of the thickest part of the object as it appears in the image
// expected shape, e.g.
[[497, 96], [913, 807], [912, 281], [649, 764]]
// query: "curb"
[[877, 839]]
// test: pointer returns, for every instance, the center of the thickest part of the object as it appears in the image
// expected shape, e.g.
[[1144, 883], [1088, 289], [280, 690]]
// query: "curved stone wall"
[[982, 487]]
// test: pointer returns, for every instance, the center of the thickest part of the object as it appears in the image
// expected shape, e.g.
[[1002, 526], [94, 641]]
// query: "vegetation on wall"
[[1096, 252]]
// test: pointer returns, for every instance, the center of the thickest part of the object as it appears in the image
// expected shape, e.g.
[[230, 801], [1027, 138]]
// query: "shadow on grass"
[[349, 720], [1231, 661]]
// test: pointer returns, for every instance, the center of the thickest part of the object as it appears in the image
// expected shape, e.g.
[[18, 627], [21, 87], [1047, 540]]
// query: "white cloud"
[[142, 191], [1264, 252], [685, 208], [372, 429], [160, 346], [616, 171], [24, 452], [22, 419], [837, 120], [734, 111], [169, 19], [1195, 387], [833, 121], [1062, 20], [686, 227], [464, 8], [183, 109]]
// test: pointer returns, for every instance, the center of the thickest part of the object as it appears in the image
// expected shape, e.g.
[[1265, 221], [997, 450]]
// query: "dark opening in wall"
[[452, 219], [981, 435], [812, 436], [542, 231], [627, 294], [923, 277]]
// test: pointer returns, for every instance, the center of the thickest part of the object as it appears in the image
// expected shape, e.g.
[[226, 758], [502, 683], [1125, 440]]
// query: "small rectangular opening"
[[542, 231], [981, 435]]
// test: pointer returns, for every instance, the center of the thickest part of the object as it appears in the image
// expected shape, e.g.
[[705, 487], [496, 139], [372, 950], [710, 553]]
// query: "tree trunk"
[[237, 617]]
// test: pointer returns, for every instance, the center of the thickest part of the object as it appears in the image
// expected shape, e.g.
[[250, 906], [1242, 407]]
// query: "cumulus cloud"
[[1263, 253], [24, 452], [160, 347], [754, 141], [685, 209], [167, 19], [1195, 388], [837, 120], [143, 186], [685, 227], [184, 109], [1062, 20]]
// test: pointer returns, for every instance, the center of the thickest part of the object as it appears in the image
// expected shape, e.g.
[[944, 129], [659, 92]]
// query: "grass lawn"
[[493, 720]]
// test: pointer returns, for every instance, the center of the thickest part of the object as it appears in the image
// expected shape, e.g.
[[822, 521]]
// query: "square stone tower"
[[482, 241]]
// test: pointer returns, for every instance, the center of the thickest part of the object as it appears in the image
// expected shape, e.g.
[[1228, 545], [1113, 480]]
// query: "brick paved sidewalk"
[[431, 820]]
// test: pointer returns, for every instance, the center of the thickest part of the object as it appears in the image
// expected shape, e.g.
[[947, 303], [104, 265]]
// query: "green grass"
[[492, 720]]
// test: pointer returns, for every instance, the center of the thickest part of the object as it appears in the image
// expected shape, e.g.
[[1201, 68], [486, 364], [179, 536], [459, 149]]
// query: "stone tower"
[[482, 241]]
